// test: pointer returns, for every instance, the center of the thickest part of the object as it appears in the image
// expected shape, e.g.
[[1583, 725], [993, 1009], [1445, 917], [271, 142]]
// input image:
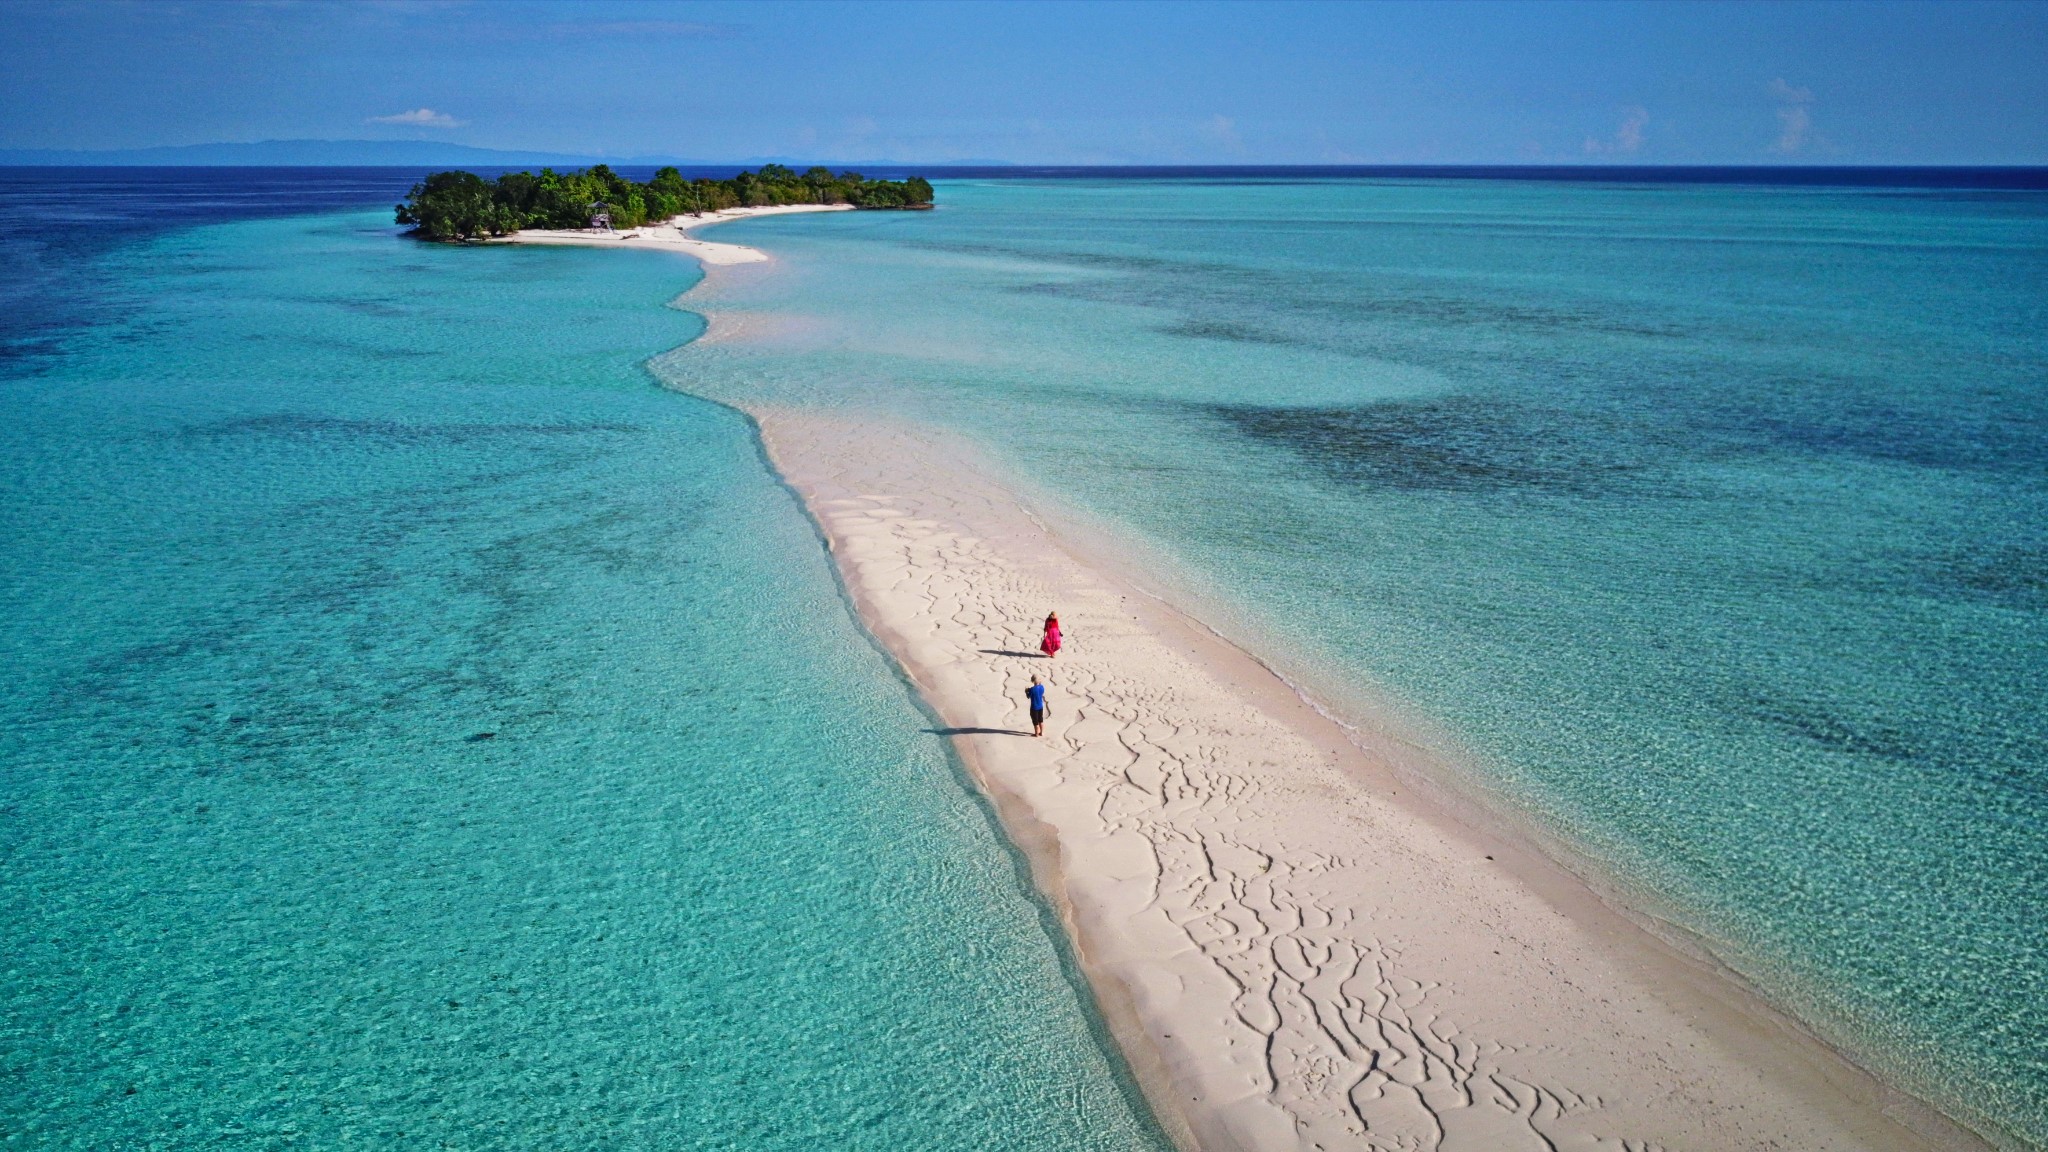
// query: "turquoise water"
[[1707, 526], [423, 731]]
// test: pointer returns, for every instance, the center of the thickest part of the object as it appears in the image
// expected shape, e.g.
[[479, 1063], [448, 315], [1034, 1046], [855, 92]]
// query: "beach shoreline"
[[672, 235], [1267, 991], [1222, 974]]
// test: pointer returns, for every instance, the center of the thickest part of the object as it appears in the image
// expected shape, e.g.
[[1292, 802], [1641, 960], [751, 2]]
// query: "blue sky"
[[1049, 82]]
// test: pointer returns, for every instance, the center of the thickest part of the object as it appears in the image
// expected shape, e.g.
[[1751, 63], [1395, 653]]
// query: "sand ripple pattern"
[[1292, 958]]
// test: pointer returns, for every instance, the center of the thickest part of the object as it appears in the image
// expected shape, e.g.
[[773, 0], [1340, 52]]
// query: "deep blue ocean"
[[422, 730]]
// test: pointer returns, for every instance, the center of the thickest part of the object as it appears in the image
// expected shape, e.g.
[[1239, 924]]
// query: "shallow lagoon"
[[1703, 525], [423, 730]]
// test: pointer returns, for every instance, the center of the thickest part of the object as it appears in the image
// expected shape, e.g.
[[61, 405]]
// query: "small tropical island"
[[461, 205]]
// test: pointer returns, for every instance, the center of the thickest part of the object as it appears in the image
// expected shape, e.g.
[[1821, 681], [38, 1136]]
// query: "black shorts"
[[1037, 716]]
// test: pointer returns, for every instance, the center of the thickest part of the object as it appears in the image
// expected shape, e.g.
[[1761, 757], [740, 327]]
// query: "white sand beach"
[[1295, 950], [673, 234]]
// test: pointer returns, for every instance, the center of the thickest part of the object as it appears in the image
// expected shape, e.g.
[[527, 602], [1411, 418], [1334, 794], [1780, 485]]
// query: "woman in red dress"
[[1051, 644]]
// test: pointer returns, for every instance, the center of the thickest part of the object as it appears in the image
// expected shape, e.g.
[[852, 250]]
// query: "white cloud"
[[1789, 94], [648, 30], [1628, 137], [419, 118], [685, 29], [1223, 130], [1794, 121]]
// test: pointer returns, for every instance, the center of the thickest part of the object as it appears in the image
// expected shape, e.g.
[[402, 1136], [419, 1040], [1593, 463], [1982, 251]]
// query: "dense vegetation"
[[463, 205]]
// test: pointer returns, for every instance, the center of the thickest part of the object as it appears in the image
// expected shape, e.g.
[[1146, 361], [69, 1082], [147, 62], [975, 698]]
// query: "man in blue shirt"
[[1036, 695]]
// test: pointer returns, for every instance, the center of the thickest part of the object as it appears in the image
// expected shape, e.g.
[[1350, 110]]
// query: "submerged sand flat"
[[1295, 951], [672, 235]]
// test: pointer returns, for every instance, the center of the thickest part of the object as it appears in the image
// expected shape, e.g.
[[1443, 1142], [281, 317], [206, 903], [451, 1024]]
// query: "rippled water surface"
[[424, 731], [1709, 523]]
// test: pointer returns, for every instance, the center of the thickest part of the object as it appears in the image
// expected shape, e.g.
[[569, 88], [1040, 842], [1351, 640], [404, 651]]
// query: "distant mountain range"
[[373, 154], [302, 153]]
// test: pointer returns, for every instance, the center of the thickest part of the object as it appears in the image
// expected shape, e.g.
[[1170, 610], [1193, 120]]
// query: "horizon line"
[[1037, 166]]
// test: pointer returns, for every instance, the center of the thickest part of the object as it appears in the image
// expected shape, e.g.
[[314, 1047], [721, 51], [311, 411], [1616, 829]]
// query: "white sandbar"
[[1294, 950], [672, 235], [1294, 947]]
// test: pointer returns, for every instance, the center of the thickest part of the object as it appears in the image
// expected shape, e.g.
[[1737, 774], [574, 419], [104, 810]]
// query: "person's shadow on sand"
[[1008, 652], [976, 732]]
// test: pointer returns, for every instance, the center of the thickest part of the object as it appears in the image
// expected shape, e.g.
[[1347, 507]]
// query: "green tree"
[[463, 206], [455, 206]]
